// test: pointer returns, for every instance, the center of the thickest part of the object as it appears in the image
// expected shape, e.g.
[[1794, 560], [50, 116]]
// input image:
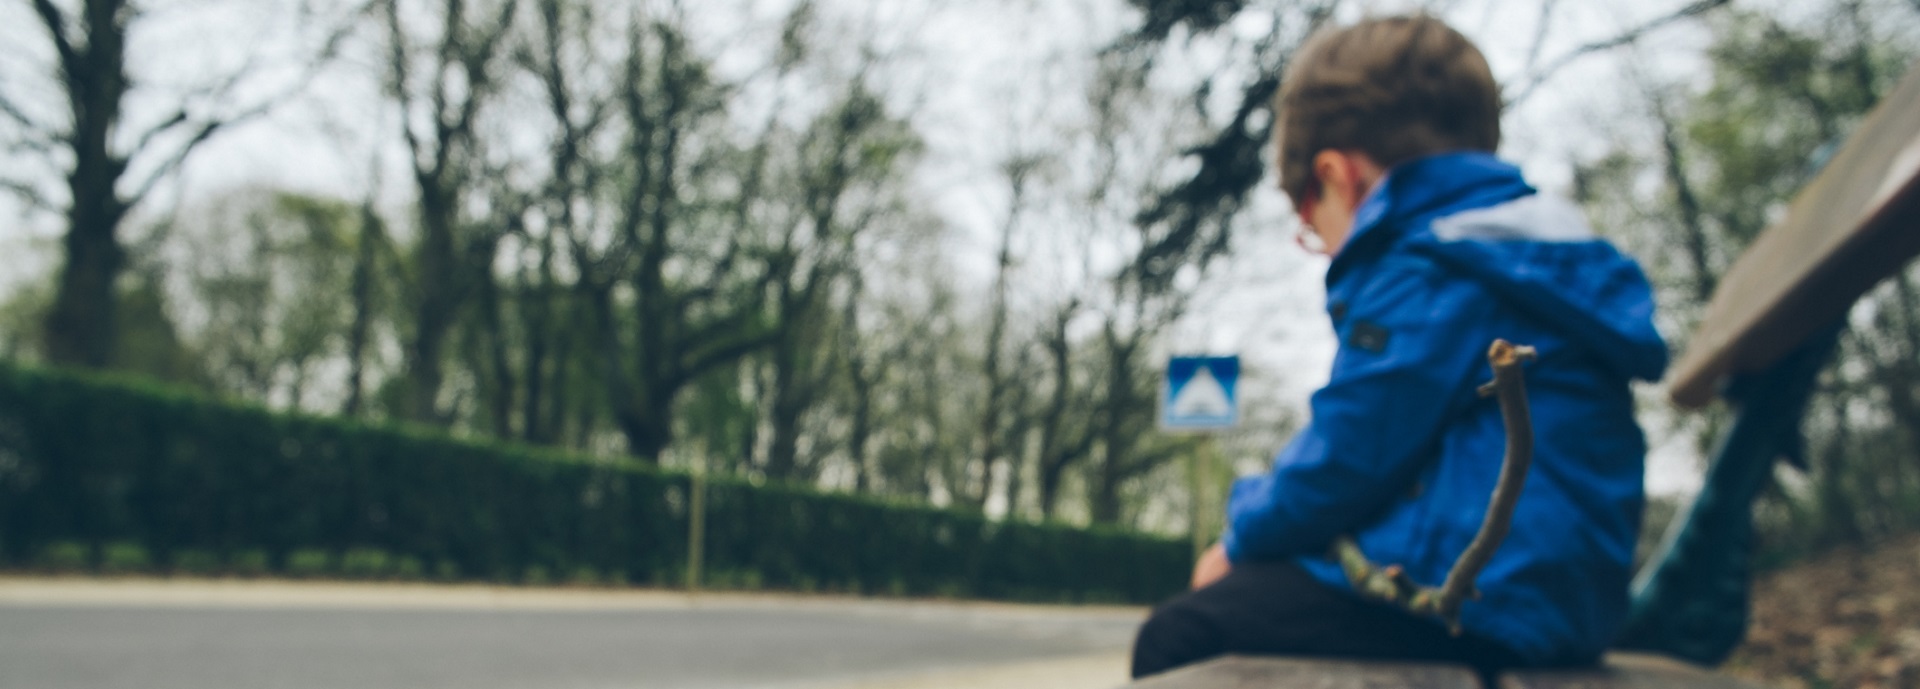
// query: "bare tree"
[[90, 50], [441, 90], [855, 146], [560, 48], [371, 238], [1129, 446], [491, 340], [1066, 434], [864, 370], [995, 412], [1686, 200], [681, 321], [1540, 74]]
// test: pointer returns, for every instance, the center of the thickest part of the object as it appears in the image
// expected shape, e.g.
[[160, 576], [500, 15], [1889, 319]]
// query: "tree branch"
[[174, 162], [399, 84], [695, 363], [476, 60], [1532, 83], [27, 194], [32, 145], [214, 94], [205, 129], [1391, 583], [1540, 34], [13, 112], [57, 28]]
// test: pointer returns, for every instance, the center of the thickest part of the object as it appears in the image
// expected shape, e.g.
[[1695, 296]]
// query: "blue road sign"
[[1200, 393]]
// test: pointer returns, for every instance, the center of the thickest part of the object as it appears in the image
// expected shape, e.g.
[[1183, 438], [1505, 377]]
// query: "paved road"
[[211, 641]]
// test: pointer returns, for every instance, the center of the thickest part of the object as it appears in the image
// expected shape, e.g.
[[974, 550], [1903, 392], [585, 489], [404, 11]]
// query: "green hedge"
[[108, 471]]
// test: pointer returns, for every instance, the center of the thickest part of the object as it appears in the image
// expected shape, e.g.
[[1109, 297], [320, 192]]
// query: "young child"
[[1386, 136]]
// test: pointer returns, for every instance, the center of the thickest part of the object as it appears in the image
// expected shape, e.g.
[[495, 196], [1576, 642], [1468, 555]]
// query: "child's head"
[[1360, 99]]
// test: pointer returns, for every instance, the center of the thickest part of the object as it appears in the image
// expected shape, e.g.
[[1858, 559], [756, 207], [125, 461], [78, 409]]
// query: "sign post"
[[1201, 394], [696, 521]]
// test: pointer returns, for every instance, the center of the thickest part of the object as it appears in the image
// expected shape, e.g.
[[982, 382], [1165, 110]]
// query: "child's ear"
[[1345, 177], [1334, 172]]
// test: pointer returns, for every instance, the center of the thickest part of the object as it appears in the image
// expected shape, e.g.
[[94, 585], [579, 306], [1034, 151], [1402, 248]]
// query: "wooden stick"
[[1391, 583]]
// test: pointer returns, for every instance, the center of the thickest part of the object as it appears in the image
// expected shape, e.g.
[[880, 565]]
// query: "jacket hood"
[[1477, 216]]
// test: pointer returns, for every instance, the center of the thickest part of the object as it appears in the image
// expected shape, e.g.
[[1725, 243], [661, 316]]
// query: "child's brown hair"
[[1395, 88]]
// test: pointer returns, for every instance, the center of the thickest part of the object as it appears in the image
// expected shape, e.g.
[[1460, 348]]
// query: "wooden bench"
[[1254, 672], [1769, 329], [1621, 671]]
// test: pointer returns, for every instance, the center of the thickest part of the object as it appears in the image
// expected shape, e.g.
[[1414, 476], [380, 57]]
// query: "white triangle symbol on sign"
[[1202, 396]]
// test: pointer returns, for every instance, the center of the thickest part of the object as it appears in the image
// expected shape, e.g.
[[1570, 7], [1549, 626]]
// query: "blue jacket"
[[1446, 254]]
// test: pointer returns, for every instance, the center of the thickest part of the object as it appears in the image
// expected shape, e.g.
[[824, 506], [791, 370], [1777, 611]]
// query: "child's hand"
[[1213, 564]]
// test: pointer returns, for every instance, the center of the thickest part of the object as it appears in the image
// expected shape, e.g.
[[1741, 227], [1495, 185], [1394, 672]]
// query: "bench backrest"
[[1855, 224], [1772, 322]]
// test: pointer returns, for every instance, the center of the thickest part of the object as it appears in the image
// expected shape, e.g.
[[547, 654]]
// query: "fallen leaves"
[[1849, 618]]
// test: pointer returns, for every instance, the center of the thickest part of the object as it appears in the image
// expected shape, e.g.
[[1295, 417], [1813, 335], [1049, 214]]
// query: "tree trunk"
[[784, 413], [862, 383], [1056, 453], [80, 324], [1115, 441], [636, 410], [360, 329], [560, 397], [537, 305], [991, 412], [500, 399], [1015, 432], [1691, 214], [435, 273], [1050, 479], [648, 427]]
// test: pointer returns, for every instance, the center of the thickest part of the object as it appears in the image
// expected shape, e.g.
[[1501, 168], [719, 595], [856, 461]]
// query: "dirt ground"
[[1849, 618]]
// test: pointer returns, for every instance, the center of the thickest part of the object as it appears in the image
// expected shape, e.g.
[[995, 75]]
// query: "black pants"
[[1278, 609]]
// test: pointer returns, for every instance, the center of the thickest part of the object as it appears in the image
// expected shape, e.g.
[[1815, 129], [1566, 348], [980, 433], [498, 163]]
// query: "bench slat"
[[1247, 672], [1624, 671]]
